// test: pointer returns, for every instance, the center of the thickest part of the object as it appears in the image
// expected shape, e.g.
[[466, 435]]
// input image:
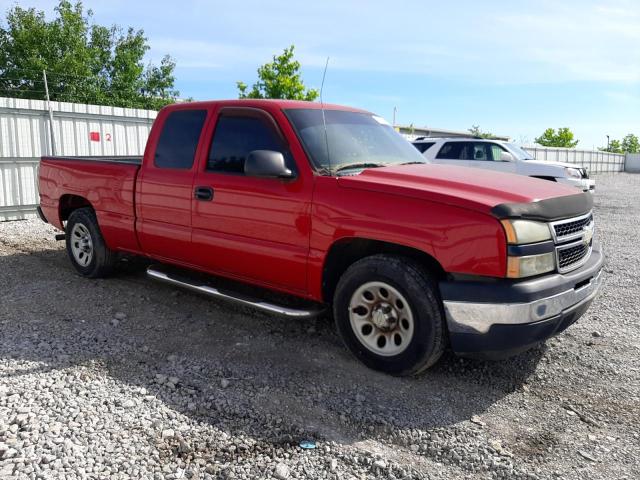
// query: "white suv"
[[501, 157]]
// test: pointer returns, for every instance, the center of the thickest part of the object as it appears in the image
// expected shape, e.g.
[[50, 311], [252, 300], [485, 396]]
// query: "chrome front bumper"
[[584, 184], [478, 318]]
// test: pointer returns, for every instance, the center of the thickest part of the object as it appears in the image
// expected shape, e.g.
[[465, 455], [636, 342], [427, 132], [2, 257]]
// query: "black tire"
[[420, 290], [102, 261]]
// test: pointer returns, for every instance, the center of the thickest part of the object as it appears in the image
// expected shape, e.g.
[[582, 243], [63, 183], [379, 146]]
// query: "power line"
[[34, 80], [2, 78], [49, 73], [107, 91], [56, 74], [108, 99], [24, 90]]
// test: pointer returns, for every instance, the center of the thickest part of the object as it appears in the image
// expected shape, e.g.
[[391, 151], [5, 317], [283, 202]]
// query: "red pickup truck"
[[331, 207]]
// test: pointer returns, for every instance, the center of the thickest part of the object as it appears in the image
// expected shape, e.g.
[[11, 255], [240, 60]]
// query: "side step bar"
[[202, 288]]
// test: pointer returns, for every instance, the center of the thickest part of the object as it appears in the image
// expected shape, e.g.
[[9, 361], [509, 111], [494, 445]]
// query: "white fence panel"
[[594, 161], [633, 163], [78, 130], [18, 187]]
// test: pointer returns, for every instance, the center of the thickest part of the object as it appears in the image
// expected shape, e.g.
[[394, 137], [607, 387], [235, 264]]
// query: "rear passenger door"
[[164, 189]]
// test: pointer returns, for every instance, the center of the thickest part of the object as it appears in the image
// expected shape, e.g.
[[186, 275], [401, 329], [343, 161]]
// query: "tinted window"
[[424, 146], [454, 151], [235, 137], [478, 151], [179, 139], [481, 151]]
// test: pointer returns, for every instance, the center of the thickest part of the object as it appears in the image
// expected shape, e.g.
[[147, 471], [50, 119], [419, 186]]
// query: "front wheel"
[[86, 247], [388, 313]]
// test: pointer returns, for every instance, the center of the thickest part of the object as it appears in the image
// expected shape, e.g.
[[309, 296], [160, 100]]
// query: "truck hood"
[[494, 193], [545, 163]]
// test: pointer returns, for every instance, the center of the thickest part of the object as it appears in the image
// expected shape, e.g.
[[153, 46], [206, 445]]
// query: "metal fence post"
[[46, 90]]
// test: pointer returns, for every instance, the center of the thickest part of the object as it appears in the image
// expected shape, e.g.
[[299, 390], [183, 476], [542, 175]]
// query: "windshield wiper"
[[353, 166], [414, 163]]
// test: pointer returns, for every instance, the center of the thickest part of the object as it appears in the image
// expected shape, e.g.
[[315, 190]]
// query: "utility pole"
[[395, 110], [46, 90], [607, 143]]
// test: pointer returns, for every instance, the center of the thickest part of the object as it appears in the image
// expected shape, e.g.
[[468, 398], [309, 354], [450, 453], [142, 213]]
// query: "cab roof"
[[266, 104]]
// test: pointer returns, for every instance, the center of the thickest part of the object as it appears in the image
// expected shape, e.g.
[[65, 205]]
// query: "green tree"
[[614, 147], [562, 138], [85, 62], [279, 79], [476, 132], [630, 144]]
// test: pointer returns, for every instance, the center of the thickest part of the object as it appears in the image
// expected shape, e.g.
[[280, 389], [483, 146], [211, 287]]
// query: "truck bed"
[[106, 183]]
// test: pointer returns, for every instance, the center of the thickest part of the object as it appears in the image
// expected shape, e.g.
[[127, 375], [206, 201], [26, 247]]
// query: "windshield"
[[354, 140], [519, 152]]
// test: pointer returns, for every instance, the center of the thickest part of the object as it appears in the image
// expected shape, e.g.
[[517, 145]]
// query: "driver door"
[[255, 229]]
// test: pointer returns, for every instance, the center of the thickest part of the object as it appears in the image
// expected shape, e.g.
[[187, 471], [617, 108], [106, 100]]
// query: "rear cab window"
[[179, 139]]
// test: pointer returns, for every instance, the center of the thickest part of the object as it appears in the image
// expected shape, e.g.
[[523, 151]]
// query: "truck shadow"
[[278, 380]]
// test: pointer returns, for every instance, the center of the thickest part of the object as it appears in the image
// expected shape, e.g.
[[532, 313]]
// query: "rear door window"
[[454, 151], [179, 139]]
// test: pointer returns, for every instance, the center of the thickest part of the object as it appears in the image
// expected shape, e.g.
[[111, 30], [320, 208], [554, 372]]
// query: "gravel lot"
[[126, 378]]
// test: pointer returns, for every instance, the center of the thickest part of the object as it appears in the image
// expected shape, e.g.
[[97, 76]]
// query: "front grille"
[[564, 230], [573, 238], [571, 255]]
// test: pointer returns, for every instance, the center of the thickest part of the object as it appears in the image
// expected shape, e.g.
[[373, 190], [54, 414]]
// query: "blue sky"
[[514, 68]]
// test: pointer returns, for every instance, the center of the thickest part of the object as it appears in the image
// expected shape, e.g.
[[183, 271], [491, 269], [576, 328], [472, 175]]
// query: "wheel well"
[[69, 203], [551, 179], [344, 253]]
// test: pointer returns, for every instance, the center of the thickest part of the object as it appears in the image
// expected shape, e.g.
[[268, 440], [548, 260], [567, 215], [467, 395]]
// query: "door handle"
[[203, 193]]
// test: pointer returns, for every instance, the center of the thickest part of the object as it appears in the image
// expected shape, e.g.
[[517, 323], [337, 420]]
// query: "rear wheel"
[[388, 313], [86, 247]]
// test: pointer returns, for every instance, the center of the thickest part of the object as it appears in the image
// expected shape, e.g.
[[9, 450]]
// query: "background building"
[[411, 133]]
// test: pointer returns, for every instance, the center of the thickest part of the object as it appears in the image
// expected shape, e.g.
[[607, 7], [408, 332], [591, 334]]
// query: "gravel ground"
[[126, 378]]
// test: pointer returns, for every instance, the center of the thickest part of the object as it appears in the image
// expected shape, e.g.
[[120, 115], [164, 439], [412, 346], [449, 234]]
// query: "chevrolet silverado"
[[322, 207]]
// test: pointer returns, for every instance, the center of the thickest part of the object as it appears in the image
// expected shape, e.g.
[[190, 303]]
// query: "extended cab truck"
[[335, 208]]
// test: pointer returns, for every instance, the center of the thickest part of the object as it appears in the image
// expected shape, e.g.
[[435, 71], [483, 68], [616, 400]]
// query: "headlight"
[[518, 267], [573, 173], [525, 231]]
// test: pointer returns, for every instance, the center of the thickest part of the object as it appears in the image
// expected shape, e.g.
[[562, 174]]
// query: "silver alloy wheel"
[[81, 244], [381, 318]]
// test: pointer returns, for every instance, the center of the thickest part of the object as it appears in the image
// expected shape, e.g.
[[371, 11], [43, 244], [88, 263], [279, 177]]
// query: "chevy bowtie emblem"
[[588, 234]]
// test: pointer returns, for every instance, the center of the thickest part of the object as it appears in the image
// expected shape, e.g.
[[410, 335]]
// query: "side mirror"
[[266, 164], [506, 157]]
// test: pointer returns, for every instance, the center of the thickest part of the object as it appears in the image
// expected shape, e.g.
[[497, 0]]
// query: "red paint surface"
[[277, 233]]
